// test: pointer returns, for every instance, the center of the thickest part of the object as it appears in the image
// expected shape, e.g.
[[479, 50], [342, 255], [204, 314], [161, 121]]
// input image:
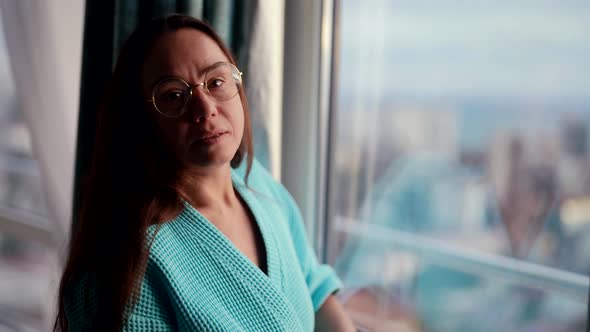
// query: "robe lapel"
[[230, 260]]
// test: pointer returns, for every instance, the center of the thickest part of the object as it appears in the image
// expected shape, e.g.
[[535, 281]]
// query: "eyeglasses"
[[171, 94]]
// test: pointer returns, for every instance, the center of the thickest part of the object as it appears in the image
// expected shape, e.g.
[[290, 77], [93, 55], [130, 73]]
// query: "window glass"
[[460, 196]]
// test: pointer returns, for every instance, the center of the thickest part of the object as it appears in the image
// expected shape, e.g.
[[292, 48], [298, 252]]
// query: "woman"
[[180, 229]]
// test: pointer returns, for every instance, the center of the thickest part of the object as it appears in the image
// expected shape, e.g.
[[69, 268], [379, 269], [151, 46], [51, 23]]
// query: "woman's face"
[[209, 131]]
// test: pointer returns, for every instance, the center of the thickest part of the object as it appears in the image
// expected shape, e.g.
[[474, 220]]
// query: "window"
[[26, 261], [460, 196]]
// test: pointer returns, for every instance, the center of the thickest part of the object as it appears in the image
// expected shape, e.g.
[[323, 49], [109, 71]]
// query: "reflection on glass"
[[463, 150]]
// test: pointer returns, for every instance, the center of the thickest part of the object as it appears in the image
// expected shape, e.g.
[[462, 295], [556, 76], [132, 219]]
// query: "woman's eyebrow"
[[159, 79], [203, 71]]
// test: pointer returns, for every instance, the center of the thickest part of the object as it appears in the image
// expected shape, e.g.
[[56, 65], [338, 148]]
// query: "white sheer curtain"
[[44, 39], [265, 75]]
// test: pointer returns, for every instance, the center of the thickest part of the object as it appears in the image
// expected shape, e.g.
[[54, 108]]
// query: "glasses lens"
[[223, 81], [170, 96]]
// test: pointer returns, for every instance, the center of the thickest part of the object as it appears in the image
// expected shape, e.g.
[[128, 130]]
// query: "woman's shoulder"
[[272, 195], [258, 173], [261, 180]]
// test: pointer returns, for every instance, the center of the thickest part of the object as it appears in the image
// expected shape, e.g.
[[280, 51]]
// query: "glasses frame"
[[191, 87]]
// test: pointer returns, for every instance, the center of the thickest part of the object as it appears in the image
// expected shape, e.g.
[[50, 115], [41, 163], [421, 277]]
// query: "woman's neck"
[[210, 189]]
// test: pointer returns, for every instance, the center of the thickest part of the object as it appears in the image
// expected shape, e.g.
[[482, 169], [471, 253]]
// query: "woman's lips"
[[210, 139]]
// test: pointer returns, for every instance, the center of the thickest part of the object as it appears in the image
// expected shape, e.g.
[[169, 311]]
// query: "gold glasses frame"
[[237, 76]]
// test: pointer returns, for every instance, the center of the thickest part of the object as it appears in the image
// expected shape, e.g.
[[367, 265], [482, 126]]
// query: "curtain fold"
[[220, 14], [44, 40], [231, 19], [193, 8], [126, 18], [45, 58], [264, 78]]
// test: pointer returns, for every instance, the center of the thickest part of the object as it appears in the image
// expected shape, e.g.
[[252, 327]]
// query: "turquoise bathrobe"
[[197, 280]]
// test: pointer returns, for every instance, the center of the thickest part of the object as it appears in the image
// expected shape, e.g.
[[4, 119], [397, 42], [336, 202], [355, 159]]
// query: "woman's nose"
[[201, 105]]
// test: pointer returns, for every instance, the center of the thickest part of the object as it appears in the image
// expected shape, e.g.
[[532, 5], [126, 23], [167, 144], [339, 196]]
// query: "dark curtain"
[[109, 22], [230, 18]]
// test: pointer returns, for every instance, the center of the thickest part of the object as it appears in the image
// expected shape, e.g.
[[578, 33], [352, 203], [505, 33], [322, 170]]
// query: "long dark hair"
[[133, 183]]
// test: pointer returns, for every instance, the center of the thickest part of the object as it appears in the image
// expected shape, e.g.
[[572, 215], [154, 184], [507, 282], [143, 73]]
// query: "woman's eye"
[[173, 96], [215, 83]]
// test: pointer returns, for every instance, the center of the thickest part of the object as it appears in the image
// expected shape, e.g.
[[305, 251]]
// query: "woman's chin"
[[211, 159]]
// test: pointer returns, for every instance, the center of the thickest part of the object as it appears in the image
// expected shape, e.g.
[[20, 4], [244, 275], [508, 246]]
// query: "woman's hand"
[[331, 317]]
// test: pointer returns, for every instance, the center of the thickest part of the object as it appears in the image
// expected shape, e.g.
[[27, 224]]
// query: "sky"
[[537, 50]]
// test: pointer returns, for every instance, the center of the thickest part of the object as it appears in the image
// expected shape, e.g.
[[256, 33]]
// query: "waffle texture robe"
[[197, 279]]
